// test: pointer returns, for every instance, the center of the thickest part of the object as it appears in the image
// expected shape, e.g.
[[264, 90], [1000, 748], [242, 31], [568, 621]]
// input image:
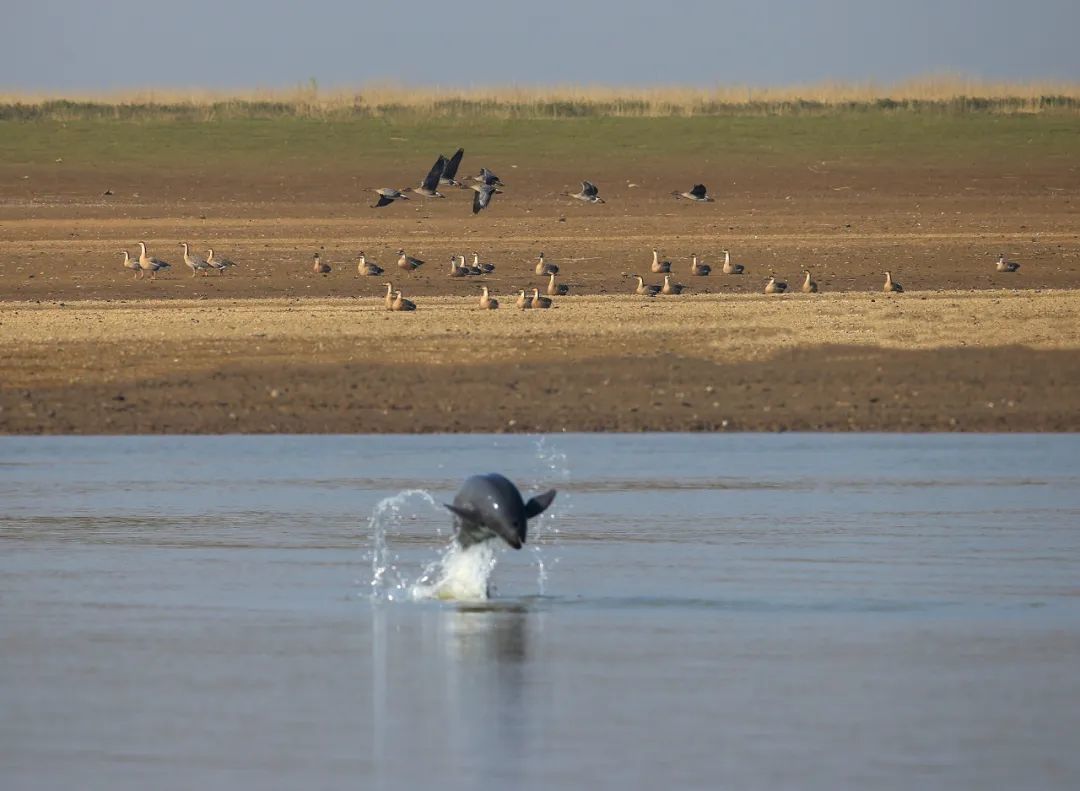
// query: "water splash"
[[388, 581], [545, 528], [459, 575]]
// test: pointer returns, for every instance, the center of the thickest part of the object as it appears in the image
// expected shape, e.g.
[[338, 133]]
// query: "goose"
[[486, 269], [1006, 266], [483, 196], [556, 289], [488, 302], [775, 286], [408, 263], [402, 304], [149, 264], [671, 288], [194, 263], [367, 268], [470, 269], [545, 269], [220, 264], [429, 186], [697, 193], [645, 290], [389, 298], [590, 193], [523, 302], [696, 269], [659, 267], [450, 168], [388, 195], [730, 268], [891, 286], [488, 178], [318, 266], [455, 270], [809, 285], [132, 264], [539, 301]]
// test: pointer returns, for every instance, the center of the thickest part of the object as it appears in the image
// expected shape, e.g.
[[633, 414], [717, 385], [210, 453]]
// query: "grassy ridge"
[[302, 142]]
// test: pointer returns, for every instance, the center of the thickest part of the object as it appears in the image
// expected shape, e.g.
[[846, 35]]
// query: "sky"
[[104, 45]]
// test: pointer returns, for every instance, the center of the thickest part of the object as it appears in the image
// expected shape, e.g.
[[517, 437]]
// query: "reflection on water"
[[812, 612]]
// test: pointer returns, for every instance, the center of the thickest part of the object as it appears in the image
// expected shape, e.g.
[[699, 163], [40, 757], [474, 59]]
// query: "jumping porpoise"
[[490, 505]]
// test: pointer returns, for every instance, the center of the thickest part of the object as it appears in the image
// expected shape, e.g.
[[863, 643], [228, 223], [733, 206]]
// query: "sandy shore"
[[980, 361]]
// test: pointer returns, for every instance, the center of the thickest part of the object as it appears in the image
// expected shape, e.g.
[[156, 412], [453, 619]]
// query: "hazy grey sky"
[[106, 44]]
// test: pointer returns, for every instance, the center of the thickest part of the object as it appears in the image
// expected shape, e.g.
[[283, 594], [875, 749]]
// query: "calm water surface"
[[886, 612]]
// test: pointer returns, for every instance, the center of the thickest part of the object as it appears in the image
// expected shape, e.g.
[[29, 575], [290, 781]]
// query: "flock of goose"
[[485, 185]]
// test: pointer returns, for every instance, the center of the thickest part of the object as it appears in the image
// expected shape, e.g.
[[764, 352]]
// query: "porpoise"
[[490, 505]]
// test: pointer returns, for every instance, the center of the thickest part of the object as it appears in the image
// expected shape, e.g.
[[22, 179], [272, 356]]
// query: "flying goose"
[[545, 269], [488, 178], [429, 186], [220, 264], [590, 193], [775, 286], [455, 270], [659, 267], [486, 269], [698, 193], [730, 268], [450, 168], [891, 286], [132, 264], [488, 302], [318, 266], [194, 263], [556, 289], [408, 263], [696, 269], [483, 196], [388, 195], [402, 304], [148, 264], [671, 288], [1006, 266], [367, 268], [645, 290], [539, 301], [523, 302], [809, 285]]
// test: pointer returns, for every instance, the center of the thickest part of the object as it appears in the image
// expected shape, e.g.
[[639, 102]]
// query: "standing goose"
[[488, 178], [556, 289], [132, 264], [389, 298], [455, 270], [809, 285], [367, 268], [149, 264], [194, 263], [318, 266], [408, 263], [671, 288], [590, 193], [402, 304], [220, 264], [429, 186], [1006, 266], [775, 286], [388, 195], [891, 286], [488, 302], [645, 290], [450, 168], [472, 269], [659, 267], [696, 269], [539, 301], [486, 269], [545, 269], [482, 196], [697, 193], [522, 301], [730, 268]]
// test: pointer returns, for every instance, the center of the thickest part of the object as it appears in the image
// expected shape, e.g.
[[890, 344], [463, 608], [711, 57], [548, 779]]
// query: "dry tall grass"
[[933, 93]]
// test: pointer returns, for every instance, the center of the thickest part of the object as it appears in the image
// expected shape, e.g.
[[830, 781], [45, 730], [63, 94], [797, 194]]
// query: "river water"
[[728, 611]]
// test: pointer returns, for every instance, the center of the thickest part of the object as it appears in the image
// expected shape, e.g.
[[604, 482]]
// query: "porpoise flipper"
[[537, 505]]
